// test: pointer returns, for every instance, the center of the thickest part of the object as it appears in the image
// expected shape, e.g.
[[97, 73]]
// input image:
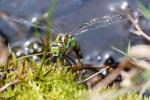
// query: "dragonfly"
[[65, 42]]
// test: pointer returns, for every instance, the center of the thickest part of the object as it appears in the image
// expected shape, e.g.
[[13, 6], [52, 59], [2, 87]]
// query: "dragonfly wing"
[[30, 24], [100, 22]]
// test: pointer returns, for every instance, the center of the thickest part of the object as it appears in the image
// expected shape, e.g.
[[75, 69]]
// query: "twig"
[[11, 83], [86, 67], [114, 74], [8, 85], [108, 79], [141, 64], [139, 30], [94, 74]]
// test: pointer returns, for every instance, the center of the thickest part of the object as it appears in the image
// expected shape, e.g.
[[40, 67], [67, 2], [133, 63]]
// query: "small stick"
[[139, 30], [94, 74], [114, 74], [2, 89]]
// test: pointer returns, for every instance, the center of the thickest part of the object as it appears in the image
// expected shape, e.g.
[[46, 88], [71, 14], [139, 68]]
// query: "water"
[[94, 37]]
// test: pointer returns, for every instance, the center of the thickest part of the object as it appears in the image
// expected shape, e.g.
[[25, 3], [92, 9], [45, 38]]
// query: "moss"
[[58, 84]]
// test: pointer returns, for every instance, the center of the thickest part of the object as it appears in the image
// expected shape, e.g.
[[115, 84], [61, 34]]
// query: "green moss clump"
[[58, 84]]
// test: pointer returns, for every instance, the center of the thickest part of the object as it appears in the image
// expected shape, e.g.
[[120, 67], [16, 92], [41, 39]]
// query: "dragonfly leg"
[[51, 60]]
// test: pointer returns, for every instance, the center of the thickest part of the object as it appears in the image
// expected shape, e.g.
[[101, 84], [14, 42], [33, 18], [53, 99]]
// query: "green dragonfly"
[[65, 43]]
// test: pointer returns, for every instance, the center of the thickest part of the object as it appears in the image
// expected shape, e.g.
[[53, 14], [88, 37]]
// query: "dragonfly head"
[[56, 48]]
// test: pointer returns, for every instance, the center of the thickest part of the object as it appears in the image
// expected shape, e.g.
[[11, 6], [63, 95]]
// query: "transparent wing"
[[99, 22], [93, 24], [31, 24]]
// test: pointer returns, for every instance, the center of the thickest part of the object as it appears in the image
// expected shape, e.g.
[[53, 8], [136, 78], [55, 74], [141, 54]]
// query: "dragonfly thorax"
[[62, 43]]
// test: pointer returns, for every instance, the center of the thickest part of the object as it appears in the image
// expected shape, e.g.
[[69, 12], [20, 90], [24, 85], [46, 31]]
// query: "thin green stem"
[[49, 24]]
